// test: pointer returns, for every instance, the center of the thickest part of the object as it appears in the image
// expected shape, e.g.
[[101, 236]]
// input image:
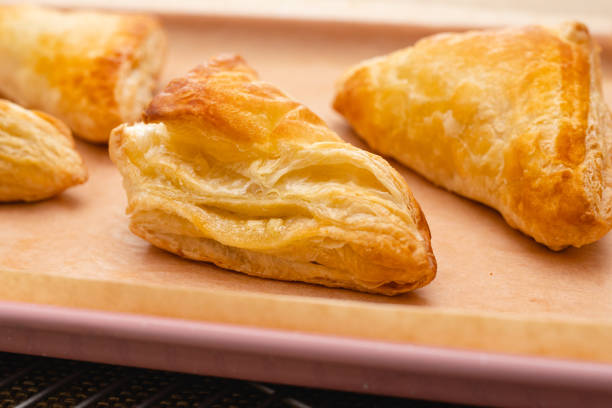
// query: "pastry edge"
[[208, 250]]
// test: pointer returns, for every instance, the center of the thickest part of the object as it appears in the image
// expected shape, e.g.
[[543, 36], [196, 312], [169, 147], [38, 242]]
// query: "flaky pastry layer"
[[512, 118], [92, 70], [37, 155], [226, 168]]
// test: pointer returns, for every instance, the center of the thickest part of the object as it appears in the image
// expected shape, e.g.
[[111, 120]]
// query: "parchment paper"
[[496, 289]]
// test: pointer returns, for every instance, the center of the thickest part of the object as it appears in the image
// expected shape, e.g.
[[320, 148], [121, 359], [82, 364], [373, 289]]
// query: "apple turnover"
[[92, 70], [37, 155], [227, 169], [513, 118]]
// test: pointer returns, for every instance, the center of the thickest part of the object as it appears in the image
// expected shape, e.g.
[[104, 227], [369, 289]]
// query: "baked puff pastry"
[[228, 169], [92, 70], [512, 118], [37, 155]]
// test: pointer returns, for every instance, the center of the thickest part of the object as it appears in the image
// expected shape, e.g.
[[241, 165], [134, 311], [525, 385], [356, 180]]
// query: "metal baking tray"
[[505, 322]]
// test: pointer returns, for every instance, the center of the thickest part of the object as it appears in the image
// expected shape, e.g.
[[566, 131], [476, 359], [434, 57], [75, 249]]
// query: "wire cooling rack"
[[39, 382]]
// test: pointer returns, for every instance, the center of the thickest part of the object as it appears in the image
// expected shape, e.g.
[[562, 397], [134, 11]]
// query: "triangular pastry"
[[92, 70], [37, 155], [513, 118], [226, 168]]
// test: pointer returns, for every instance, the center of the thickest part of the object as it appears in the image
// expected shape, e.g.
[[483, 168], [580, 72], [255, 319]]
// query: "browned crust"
[[93, 70], [88, 85], [557, 208], [194, 95], [225, 94], [223, 103]]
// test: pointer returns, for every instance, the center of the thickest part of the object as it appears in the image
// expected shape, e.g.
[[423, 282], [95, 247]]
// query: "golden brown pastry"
[[228, 169], [92, 70], [512, 118], [37, 155]]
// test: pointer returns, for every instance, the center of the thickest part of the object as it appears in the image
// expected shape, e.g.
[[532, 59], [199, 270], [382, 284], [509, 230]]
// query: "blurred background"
[[596, 13]]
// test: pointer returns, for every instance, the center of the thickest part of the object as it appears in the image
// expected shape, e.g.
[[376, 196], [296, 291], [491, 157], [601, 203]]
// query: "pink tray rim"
[[327, 349]]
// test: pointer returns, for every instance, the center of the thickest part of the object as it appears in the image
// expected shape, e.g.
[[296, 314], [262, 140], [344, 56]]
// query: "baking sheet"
[[303, 359], [496, 290]]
